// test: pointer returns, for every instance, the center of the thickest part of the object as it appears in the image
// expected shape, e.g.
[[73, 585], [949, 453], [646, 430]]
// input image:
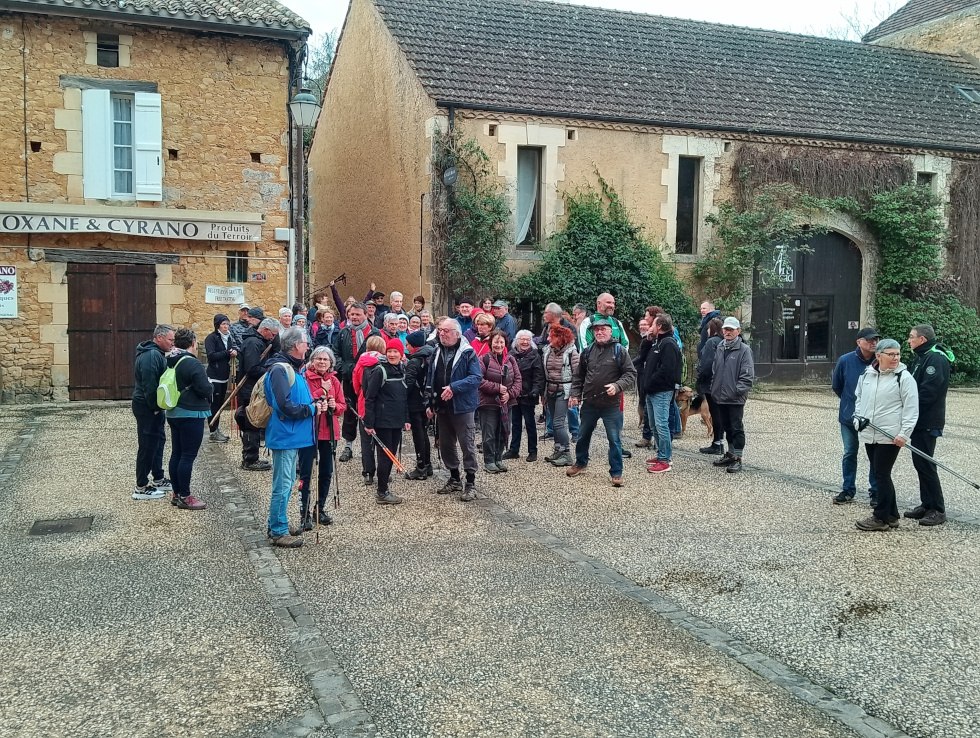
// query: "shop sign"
[[8, 292], [224, 295], [150, 227]]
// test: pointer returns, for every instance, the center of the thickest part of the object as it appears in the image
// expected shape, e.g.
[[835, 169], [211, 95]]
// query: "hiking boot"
[[642, 443], [511, 455], [450, 487], [187, 503], [469, 493], [735, 466], [916, 513], [564, 460], [162, 484], [872, 523], [843, 498], [294, 530], [388, 498], [715, 449], [659, 467], [616, 481], [417, 473], [218, 437], [873, 501], [502, 467], [532, 457], [287, 541], [149, 492], [368, 480], [307, 526], [554, 455], [547, 437], [491, 468], [727, 460], [325, 519], [893, 522], [256, 465], [346, 454], [574, 470], [933, 517]]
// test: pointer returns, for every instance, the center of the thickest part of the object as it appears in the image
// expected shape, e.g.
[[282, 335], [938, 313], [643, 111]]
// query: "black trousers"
[[218, 392], [390, 437], [348, 429], [522, 416], [251, 436], [322, 453], [151, 436], [930, 489], [420, 438], [717, 425], [882, 457], [731, 421]]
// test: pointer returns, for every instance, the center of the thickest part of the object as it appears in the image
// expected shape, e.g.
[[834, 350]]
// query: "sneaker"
[[547, 437], [502, 467], [933, 517], [512, 455], [727, 460], [642, 443], [287, 541], [450, 487], [325, 519], [491, 468], [256, 466], [346, 454], [532, 457], [368, 480], [564, 460], [715, 449], [617, 481], [872, 523], [893, 522], [469, 493], [388, 498], [162, 484], [676, 436], [574, 438], [187, 503], [627, 454], [307, 526], [735, 466], [417, 473], [916, 513], [542, 419], [843, 498], [659, 467], [218, 437], [574, 470], [873, 501], [149, 492]]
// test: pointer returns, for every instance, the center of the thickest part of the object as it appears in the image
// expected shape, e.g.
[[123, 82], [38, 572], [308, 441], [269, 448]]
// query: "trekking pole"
[[394, 459], [865, 423], [333, 454]]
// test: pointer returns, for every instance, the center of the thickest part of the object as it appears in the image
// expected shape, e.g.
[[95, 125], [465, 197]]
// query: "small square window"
[[925, 179], [237, 266], [491, 130], [107, 50], [969, 93], [572, 134], [257, 157]]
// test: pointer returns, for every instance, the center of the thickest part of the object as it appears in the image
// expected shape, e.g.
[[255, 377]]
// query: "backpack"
[[259, 410], [584, 356], [167, 393]]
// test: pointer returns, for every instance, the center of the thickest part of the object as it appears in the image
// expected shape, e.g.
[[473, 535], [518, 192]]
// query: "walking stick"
[[394, 459], [865, 423], [234, 391]]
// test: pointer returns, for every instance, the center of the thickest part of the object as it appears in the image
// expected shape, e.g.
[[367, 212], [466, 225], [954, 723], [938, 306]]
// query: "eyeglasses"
[[446, 330], [892, 354]]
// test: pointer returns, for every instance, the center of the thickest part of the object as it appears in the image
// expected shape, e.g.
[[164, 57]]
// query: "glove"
[[859, 423]]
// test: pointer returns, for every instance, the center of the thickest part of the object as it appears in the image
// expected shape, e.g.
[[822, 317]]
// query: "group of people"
[[369, 370]]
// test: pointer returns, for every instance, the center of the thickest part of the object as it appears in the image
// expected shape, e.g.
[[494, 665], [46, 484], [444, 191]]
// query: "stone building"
[[145, 154], [662, 108]]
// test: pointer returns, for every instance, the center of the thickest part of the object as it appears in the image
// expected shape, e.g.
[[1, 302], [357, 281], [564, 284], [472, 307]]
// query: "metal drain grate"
[[61, 525]]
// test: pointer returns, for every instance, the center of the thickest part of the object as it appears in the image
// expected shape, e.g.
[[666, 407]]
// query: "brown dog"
[[683, 399]]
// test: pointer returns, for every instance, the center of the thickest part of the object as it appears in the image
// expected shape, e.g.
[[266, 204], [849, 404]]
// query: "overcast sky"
[[776, 15]]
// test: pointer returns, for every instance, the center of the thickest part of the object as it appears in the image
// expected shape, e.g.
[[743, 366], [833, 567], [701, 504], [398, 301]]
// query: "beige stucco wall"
[[954, 34], [223, 99], [369, 165]]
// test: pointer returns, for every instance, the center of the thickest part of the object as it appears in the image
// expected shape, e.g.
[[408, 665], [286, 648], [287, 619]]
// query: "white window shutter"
[[148, 137], [96, 144]]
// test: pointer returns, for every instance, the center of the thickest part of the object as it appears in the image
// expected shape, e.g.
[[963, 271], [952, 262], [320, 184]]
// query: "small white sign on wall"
[[8, 292], [224, 295], [852, 325]]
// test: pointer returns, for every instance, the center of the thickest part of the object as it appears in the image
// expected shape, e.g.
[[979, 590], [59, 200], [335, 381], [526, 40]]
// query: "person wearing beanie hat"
[[415, 339], [464, 314], [416, 372], [386, 413], [221, 349]]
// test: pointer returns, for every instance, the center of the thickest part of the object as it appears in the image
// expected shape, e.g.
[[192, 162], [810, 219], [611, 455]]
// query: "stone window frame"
[[91, 39], [709, 150]]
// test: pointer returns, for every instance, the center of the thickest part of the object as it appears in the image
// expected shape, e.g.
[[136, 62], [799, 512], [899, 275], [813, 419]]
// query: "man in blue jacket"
[[849, 369], [452, 398]]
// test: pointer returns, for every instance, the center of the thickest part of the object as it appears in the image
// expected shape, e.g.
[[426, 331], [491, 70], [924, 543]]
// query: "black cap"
[[416, 339], [465, 301], [868, 333], [256, 313]]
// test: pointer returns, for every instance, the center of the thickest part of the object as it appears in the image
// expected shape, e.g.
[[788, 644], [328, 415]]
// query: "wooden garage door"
[[111, 309]]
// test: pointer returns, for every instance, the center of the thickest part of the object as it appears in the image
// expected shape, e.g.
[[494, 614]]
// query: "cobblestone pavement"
[[695, 603]]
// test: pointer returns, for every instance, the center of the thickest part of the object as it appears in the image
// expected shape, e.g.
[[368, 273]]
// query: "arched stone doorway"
[[804, 324]]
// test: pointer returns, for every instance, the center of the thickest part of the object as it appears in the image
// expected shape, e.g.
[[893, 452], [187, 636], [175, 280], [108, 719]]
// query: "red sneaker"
[[659, 467], [187, 503]]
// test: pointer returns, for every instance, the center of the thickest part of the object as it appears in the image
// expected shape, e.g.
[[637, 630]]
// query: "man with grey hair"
[[257, 345], [395, 300], [151, 363], [930, 370], [389, 325], [453, 380], [553, 315]]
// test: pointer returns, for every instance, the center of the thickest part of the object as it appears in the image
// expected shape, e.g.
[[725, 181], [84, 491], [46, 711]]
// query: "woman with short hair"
[[186, 421], [528, 360]]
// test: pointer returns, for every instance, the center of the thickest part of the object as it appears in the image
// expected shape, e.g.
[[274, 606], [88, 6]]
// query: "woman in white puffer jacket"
[[887, 396]]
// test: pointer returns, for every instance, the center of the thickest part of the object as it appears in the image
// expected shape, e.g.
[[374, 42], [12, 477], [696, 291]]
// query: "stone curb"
[[13, 455], [339, 709], [841, 710]]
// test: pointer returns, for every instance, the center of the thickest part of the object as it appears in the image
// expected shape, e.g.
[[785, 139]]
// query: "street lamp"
[[304, 109]]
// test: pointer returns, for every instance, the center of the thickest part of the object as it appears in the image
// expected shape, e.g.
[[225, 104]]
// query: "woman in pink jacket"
[[499, 391]]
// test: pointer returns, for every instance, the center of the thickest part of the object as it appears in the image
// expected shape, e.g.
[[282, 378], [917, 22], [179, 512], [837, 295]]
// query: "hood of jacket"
[[369, 358], [147, 346]]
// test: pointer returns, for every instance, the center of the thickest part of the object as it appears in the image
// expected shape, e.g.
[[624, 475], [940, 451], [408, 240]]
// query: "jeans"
[[283, 476], [658, 410], [675, 417], [522, 416], [558, 407], [882, 457], [573, 422], [612, 421], [849, 463], [324, 474], [930, 489], [151, 436], [186, 435]]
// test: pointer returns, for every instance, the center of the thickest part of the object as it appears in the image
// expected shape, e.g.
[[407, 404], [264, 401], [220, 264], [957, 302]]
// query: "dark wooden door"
[[111, 309]]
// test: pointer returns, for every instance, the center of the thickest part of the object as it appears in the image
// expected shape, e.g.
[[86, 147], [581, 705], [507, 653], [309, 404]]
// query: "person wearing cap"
[[464, 313], [251, 366], [419, 354], [386, 413], [605, 371], [504, 320], [732, 375], [220, 350], [240, 326], [844, 380], [605, 306]]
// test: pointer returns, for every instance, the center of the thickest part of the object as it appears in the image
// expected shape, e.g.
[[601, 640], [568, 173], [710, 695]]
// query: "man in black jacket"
[[350, 345], [930, 369], [256, 347], [151, 363], [661, 360], [415, 377]]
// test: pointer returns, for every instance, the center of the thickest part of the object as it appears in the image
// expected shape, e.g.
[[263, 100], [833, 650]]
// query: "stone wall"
[[954, 34]]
